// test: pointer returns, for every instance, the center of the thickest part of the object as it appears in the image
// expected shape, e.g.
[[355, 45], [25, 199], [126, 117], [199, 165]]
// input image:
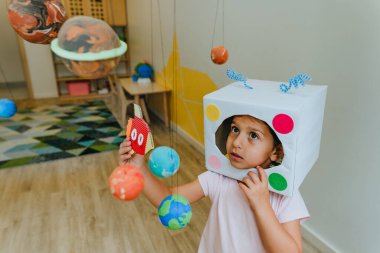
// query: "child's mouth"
[[235, 156]]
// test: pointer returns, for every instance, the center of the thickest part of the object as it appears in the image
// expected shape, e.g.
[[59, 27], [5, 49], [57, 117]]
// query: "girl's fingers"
[[124, 150], [255, 178], [125, 144], [248, 182], [121, 162], [262, 175], [243, 187], [125, 157]]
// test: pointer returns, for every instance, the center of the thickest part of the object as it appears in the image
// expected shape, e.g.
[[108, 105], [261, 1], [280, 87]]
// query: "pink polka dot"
[[214, 162], [283, 123]]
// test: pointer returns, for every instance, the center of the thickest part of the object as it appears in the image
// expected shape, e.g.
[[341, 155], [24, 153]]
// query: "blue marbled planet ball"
[[164, 162]]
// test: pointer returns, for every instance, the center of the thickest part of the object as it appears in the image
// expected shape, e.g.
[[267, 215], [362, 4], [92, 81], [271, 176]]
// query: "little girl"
[[244, 215]]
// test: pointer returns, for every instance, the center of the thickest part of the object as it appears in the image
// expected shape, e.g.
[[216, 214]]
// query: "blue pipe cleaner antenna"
[[234, 75], [295, 81]]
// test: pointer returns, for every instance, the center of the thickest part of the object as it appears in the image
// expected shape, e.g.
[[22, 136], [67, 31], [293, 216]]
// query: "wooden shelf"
[[93, 95], [123, 75], [75, 78], [71, 78], [115, 14]]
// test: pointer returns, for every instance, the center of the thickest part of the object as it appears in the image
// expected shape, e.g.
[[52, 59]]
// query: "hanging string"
[[151, 45], [215, 19], [165, 80], [6, 3], [6, 83], [175, 70], [162, 55], [151, 33], [114, 70], [223, 22]]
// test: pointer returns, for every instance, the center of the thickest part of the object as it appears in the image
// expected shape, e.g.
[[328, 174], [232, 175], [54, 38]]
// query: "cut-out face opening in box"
[[248, 142]]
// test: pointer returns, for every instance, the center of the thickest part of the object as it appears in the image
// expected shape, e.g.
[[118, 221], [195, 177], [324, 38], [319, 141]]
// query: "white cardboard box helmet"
[[296, 117]]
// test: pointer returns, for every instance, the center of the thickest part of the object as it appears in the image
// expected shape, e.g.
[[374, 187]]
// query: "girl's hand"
[[255, 187], [125, 155]]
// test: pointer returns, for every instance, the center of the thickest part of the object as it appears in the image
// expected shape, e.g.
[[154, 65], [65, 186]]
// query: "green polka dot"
[[277, 181]]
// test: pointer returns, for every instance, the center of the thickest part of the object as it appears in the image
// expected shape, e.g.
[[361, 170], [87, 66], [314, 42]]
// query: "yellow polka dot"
[[212, 112]]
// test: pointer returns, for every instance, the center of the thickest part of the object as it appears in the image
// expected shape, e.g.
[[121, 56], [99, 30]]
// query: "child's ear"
[[277, 153]]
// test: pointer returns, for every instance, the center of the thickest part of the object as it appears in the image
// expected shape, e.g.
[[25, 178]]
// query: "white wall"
[[338, 43], [39, 60], [145, 42], [10, 60], [41, 69]]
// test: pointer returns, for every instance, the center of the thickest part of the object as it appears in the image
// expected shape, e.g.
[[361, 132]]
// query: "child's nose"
[[238, 141]]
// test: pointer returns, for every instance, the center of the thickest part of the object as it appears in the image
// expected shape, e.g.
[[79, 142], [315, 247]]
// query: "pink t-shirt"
[[231, 225]]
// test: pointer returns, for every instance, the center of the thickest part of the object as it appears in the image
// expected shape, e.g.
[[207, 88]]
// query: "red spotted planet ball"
[[126, 182], [219, 55]]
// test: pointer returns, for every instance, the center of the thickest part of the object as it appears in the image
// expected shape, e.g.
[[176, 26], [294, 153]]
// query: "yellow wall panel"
[[188, 88]]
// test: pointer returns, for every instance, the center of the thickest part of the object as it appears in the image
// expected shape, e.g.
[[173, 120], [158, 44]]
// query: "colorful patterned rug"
[[55, 132]]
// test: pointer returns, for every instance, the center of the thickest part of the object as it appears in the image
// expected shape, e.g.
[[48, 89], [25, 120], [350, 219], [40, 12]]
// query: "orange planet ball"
[[219, 55], [126, 182], [36, 21]]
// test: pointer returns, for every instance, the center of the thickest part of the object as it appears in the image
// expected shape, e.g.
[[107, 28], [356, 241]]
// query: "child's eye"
[[253, 136], [234, 129]]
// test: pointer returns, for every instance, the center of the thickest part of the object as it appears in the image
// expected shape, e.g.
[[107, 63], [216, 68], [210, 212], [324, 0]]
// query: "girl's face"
[[250, 143]]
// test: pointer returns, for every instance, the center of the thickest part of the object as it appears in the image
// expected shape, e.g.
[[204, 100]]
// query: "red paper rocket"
[[139, 133]]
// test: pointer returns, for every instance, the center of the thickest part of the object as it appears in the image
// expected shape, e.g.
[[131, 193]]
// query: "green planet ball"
[[175, 212]]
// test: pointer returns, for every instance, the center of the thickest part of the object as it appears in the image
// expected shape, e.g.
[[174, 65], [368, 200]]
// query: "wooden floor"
[[65, 206]]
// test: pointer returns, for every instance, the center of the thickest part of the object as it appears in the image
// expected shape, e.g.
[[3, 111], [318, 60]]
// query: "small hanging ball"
[[7, 108], [36, 21], [126, 182], [164, 162], [219, 55], [175, 212]]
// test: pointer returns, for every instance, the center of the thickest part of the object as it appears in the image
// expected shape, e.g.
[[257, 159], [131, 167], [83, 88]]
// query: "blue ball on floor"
[[7, 108], [164, 162]]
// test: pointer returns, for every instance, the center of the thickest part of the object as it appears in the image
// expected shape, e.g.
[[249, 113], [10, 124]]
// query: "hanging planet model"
[[89, 47], [36, 21], [219, 55]]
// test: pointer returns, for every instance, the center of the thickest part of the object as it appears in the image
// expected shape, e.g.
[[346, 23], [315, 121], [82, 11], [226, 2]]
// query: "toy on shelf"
[[144, 73]]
